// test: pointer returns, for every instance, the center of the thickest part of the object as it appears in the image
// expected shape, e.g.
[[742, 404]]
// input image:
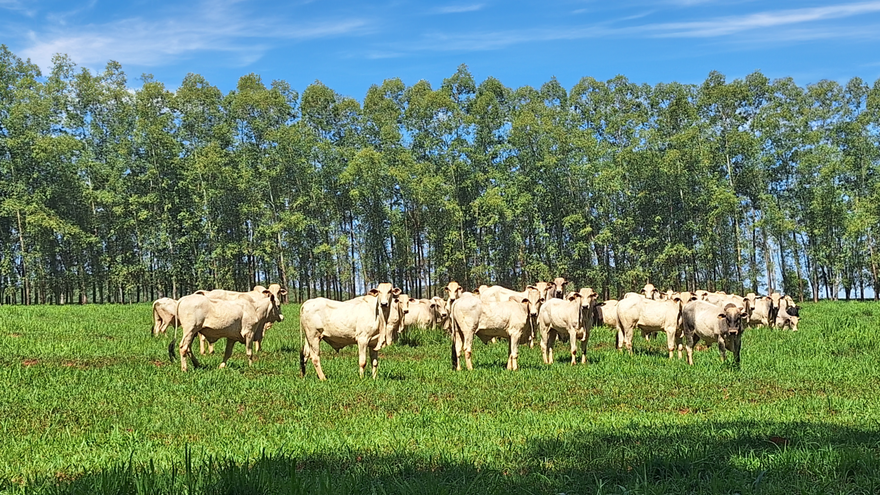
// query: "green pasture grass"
[[91, 403]]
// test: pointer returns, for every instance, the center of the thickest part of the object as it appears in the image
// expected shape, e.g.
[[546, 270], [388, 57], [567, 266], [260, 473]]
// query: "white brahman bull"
[[255, 295], [362, 321], [497, 293], [649, 316], [702, 320], [465, 310], [512, 319], [164, 314], [570, 319], [237, 320]]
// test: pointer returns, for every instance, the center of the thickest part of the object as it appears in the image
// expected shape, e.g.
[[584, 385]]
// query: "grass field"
[[90, 403]]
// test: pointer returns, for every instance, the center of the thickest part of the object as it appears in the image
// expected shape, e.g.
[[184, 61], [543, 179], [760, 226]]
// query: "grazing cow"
[[362, 321], [650, 316], [704, 321], [512, 319], [569, 319], [788, 317], [465, 310], [164, 314], [237, 320]]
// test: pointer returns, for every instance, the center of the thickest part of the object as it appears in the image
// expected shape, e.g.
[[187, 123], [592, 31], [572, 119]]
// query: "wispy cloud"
[[212, 27], [457, 9], [18, 6], [723, 26], [783, 25]]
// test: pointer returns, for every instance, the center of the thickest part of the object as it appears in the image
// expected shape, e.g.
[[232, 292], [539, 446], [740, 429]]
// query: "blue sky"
[[350, 45]]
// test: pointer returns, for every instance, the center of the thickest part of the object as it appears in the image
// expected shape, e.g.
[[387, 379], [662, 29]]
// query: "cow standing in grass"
[[362, 321], [237, 320]]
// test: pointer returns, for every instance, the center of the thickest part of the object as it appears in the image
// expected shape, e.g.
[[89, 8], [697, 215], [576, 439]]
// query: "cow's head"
[[558, 287], [453, 290], [274, 308], [534, 298], [544, 288], [701, 294], [438, 309], [385, 293], [686, 296], [650, 292], [403, 301], [731, 320]]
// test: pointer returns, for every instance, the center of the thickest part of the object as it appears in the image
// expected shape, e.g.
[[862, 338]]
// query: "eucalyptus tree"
[[336, 122]]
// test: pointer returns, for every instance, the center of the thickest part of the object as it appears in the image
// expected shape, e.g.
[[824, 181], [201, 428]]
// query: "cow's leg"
[[230, 344], [572, 340], [467, 347], [584, 343], [670, 341], [551, 341], [721, 348], [689, 346], [737, 345], [312, 350], [185, 349], [456, 350], [545, 339], [374, 360], [362, 356], [628, 338], [249, 348], [513, 352]]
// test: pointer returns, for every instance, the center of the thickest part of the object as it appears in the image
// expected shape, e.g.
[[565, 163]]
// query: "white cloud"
[[457, 9], [212, 27], [723, 26]]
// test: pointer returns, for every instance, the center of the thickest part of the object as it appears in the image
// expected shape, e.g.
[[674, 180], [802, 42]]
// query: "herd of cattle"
[[542, 311]]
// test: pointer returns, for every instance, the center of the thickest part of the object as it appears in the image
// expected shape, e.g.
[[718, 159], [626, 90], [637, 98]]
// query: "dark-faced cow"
[[704, 321]]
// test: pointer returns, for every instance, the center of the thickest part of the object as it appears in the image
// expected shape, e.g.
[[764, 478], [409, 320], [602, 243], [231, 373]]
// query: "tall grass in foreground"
[[89, 403]]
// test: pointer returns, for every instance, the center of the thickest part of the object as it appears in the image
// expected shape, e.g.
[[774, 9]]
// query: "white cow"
[[569, 319], [237, 320], [255, 295], [513, 319], [702, 320], [497, 293], [426, 313], [362, 321], [397, 318], [164, 315], [760, 311], [650, 316], [465, 310]]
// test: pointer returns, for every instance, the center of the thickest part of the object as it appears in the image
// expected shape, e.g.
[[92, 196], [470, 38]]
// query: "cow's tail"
[[302, 352], [453, 333], [174, 336]]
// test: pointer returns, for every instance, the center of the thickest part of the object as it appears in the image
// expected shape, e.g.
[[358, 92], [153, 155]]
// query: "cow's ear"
[[373, 292], [268, 293], [282, 292], [600, 304], [396, 291], [201, 292]]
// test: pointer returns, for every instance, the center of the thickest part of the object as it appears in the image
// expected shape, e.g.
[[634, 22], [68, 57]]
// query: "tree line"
[[110, 193]]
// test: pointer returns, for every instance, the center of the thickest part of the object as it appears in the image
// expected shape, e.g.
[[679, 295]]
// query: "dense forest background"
[[110, 193]]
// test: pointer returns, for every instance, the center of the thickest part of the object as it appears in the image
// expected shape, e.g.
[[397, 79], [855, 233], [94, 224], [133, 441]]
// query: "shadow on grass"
[[711, 457]]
